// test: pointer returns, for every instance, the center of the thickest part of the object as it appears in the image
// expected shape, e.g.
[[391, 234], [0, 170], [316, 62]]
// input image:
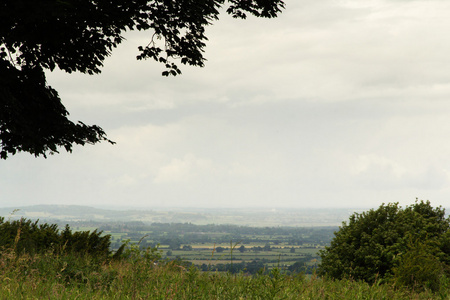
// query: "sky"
[[335, 103]]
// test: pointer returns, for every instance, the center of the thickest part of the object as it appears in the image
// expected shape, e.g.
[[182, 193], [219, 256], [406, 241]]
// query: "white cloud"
[[184, 170]]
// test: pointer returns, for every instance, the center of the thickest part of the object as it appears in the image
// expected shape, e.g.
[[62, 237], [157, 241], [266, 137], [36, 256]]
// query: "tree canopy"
[[77, 36], [384, 244]]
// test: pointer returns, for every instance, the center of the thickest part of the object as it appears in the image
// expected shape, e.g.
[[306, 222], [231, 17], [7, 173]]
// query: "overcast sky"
[[333, 104]]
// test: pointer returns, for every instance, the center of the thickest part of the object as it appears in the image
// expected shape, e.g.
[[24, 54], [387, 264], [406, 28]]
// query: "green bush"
[[26, 236], [85, 242], [419, 268], [376, 245]]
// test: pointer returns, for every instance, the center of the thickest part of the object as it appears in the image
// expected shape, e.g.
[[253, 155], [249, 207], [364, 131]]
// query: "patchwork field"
[[222, 247]]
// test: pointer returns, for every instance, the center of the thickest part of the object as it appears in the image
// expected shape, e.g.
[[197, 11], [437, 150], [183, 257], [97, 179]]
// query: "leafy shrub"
[[26, 236], [85, 242], [134, 252], [419, 268], [376, 244]]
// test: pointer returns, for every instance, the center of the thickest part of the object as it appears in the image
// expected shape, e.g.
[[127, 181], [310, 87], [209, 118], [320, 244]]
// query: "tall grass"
[[143, 275]]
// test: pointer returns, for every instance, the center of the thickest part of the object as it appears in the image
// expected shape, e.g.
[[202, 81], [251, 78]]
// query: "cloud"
[[380, 173], [184, 170], [315, 51]]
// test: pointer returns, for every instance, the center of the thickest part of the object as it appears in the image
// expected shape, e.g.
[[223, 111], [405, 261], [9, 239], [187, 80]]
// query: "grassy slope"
[[67, 277]]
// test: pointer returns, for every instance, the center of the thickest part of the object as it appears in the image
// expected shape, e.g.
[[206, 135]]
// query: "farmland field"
[[218, 247]]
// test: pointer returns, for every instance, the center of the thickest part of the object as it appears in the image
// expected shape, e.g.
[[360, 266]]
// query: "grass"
[[143, 275]]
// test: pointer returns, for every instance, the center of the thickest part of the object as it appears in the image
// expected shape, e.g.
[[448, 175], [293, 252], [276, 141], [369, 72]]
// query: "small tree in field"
[[383, 244]]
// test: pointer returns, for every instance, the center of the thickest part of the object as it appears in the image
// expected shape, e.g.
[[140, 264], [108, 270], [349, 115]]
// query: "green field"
[[272, 250], [208, 253]]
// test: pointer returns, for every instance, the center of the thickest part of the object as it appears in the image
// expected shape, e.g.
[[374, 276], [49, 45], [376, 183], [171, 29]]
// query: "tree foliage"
[[77, 36], [381, 244], [419, 267]]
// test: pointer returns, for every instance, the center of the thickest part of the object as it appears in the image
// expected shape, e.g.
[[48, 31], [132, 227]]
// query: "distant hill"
[[71, 213], [243, 216]]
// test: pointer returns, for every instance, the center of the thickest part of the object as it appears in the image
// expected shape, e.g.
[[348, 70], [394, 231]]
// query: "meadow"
[[145, 275]]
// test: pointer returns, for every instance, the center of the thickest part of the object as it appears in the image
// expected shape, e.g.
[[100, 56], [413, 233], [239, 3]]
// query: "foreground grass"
[[50, 276]]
